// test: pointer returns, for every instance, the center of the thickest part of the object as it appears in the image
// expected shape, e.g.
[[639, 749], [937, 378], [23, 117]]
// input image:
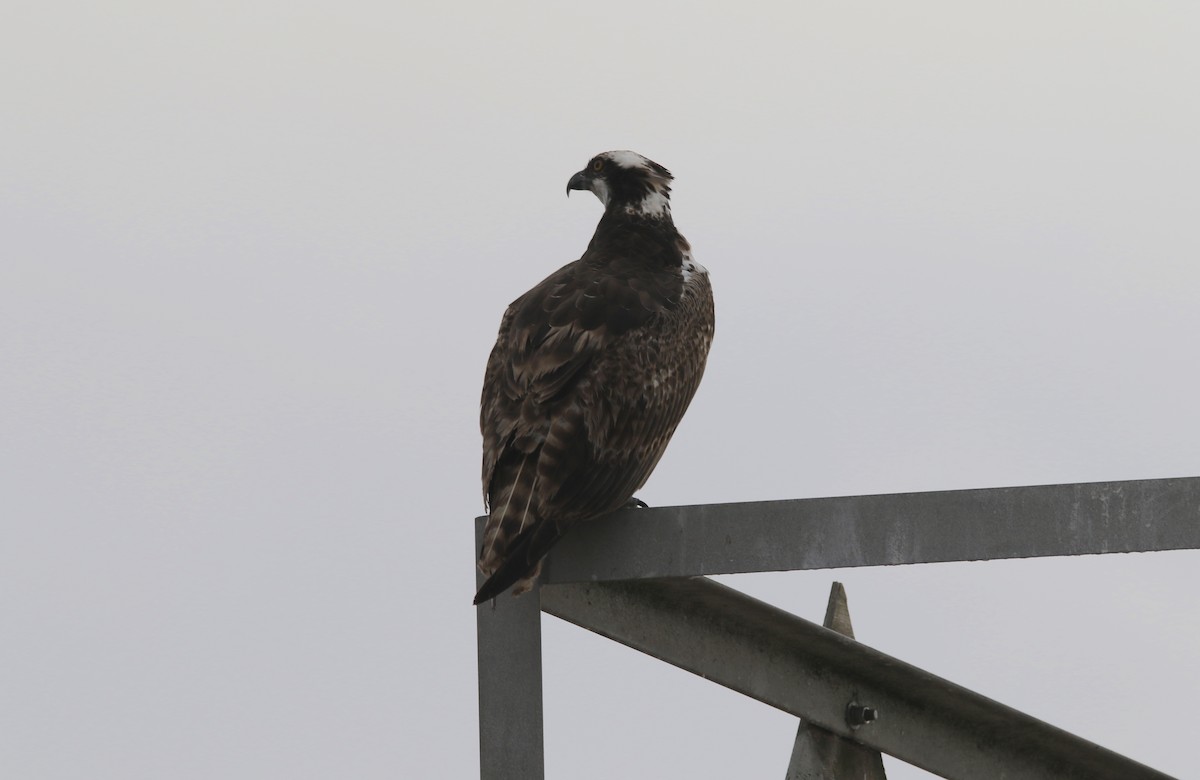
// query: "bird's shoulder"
[[626, 284]]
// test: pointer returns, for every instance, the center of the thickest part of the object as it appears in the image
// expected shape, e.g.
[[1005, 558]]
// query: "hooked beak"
[[580, 181]]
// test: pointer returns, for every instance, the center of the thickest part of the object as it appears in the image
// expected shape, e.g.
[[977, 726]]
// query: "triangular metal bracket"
[[632, 578], [822, 755]]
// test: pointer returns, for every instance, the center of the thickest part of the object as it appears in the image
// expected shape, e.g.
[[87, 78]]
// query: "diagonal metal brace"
[[815, 673]]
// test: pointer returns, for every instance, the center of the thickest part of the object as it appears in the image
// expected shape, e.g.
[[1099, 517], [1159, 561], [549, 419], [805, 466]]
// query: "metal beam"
[[509, 636], [1131, 516], [814, 673], [819, 533]]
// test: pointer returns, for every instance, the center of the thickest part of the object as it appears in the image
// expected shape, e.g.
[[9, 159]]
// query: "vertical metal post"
[[509, 631], [819, 754]]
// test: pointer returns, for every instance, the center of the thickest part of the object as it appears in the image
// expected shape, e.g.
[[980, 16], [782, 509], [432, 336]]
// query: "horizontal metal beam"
[[814, 673], [819, 533]]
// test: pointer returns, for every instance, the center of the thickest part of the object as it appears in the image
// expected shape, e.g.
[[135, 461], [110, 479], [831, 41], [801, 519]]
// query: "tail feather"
[[523, 561]]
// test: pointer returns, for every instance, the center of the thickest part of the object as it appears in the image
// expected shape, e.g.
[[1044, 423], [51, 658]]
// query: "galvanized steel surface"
[[798, 666], [821, 533], [509, 638], [764, 652], [819, 754]]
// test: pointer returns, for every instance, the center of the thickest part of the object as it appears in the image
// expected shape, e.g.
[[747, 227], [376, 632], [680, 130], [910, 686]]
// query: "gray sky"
[[255, 255]]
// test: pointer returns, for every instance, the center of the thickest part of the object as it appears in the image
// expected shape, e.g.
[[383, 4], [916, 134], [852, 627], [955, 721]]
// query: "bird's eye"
[[597, 166]]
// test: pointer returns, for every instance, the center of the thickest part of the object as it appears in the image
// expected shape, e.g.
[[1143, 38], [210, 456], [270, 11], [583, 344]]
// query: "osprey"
[[591, 373]]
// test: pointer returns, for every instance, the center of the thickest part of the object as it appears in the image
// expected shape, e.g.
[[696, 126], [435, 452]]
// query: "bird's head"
[[626, 182]]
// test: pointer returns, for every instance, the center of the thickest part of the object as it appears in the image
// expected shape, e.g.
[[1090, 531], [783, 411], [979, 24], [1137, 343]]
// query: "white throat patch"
[[600, 190]]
